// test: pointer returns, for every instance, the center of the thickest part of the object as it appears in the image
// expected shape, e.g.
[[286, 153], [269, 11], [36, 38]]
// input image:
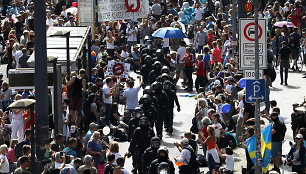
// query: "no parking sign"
[[118, 69]]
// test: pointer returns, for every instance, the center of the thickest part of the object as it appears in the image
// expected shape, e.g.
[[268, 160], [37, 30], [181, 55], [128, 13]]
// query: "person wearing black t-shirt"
[[276, 139], [19, 27], [283, 58]]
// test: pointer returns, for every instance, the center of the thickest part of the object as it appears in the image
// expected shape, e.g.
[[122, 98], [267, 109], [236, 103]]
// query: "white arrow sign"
[[256, 98]]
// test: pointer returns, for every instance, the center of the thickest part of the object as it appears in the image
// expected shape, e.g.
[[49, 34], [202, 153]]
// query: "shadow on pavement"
[[276, 89], [293, 87]]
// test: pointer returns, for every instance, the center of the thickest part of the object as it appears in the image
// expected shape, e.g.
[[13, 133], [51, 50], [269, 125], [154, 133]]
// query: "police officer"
[[150, 154], [140, 142], [134, 122], [163, 108], [160, 56], [165, 77], [148, 108], [162, 156], [172, 98], [149, 91], [155, 72], [145, 69]]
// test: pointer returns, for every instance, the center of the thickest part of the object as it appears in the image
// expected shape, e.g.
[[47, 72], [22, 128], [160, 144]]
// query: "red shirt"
[[27, 124], [188, 59], [294, 19], [200, 70], [216, 52], [210, 39]]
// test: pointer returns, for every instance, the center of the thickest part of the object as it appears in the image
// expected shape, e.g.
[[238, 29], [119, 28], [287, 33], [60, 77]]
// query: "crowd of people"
[[93, 125]]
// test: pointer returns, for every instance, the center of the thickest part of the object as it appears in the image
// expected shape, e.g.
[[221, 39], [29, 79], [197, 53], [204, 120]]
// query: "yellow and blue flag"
[[266, 146]]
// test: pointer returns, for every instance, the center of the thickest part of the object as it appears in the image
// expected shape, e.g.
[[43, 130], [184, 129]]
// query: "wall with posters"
[[109, 10]]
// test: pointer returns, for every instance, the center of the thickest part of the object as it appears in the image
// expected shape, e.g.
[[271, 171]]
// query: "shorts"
[[75, 103], [295, 53], [275, 149], [179, 68]]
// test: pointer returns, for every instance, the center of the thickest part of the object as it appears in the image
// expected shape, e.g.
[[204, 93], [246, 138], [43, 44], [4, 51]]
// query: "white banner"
[[117, 71], [110, 10]]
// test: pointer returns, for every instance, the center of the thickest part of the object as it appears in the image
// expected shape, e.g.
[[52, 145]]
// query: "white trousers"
[[17, 130]]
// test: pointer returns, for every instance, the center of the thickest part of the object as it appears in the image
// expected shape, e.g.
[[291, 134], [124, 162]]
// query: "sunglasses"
[[298, 138]]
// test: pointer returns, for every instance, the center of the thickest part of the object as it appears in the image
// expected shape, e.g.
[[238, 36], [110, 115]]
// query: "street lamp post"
[[28, 104]]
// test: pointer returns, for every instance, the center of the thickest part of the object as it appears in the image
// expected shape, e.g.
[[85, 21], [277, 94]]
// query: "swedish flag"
[[266, 146]]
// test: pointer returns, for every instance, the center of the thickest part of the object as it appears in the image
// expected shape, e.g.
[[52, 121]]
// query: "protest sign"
[[118, 69], [109, 10]]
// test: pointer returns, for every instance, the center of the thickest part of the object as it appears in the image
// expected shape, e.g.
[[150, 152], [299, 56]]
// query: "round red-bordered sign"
[[118, 69], [246, 35]]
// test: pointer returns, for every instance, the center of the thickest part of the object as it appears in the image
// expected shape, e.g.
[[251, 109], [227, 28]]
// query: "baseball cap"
[[217, 82], [295, 104], [185, 141], [299, 136], [93, 124], [1, 73]]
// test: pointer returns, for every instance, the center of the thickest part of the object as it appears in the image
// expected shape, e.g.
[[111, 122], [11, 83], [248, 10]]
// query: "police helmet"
[[147, 90], [165, 75], [165, 69], [159, 51], [163, 168], [167, 84], [156, 63], [144, 121], [155, 142], [162, 149], [137, 112]]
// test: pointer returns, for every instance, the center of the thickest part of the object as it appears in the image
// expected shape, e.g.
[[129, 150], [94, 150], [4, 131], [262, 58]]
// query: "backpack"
[[193, 162], [190, 33], [86, 108], [294, 41], [283, 131], [271, 73]]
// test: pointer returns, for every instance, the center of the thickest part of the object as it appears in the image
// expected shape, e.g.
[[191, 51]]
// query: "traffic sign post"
[[247, 43], [255, 90]]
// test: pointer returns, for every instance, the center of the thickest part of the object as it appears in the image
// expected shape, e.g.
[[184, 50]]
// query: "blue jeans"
[[108, 110], [212, 164]]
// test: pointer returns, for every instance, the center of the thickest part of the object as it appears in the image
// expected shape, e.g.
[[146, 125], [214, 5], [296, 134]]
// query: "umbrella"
[[21, 104], [281, 23], [169, 32]]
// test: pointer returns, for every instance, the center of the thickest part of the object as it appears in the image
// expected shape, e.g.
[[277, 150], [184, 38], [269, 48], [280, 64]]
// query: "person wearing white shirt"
[[17, 123], [4, 164], [131, 33], [185, 155], [108, 100], [180, 64], [198, 13], [110, 43], [131, 95], [49, 20], [64, 12], [17, 54], [240, 115]]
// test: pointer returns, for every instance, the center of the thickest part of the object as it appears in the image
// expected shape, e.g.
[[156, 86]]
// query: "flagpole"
[[258, 159]]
